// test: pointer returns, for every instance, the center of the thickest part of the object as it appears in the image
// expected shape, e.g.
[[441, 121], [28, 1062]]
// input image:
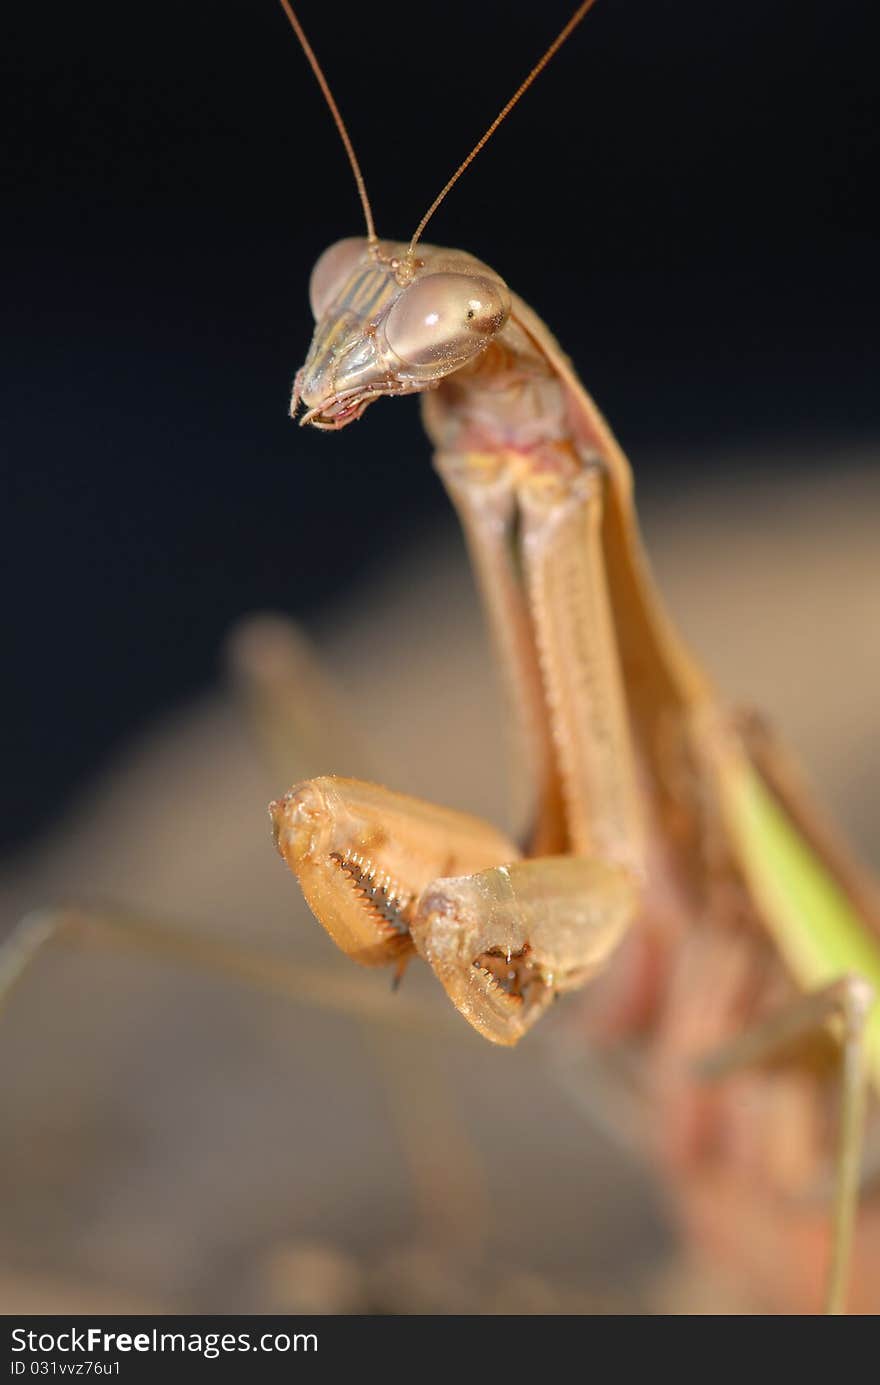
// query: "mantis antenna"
[[340, 123], [501, 116]]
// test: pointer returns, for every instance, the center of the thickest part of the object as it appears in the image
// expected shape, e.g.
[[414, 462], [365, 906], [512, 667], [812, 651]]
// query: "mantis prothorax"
[[661, 825]]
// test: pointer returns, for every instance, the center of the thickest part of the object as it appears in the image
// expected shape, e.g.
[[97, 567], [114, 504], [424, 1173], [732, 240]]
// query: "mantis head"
[[389, 322]]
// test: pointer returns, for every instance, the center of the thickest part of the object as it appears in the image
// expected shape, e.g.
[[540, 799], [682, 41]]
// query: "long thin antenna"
[[501, 116], [340, 123]]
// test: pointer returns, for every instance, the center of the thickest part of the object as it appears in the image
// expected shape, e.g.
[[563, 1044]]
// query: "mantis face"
[[392, 324]]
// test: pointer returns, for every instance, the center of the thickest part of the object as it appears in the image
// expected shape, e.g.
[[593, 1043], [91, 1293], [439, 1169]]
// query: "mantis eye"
[[333, 268], [445, 319]]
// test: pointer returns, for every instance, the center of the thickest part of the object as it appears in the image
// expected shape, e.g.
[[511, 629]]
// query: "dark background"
[[685, 197]]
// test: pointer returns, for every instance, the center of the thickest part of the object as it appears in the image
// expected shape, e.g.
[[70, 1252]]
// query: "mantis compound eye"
[[331, 272], [445, 319]]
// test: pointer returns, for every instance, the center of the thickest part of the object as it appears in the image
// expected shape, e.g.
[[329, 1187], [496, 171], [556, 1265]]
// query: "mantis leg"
[[847, 1003], [261, 968], [506, 940], [482, 489], [574, 635], [384, 873], [289, 702]]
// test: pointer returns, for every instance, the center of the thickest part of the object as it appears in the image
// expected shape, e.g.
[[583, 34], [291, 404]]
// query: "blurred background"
[[687, 198]]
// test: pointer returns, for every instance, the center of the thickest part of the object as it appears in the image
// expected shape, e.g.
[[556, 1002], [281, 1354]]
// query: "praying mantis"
[[697, 932], [672, 861]]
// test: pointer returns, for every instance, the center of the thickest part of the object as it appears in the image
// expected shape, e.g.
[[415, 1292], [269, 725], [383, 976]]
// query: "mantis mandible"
[[669, 845]]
